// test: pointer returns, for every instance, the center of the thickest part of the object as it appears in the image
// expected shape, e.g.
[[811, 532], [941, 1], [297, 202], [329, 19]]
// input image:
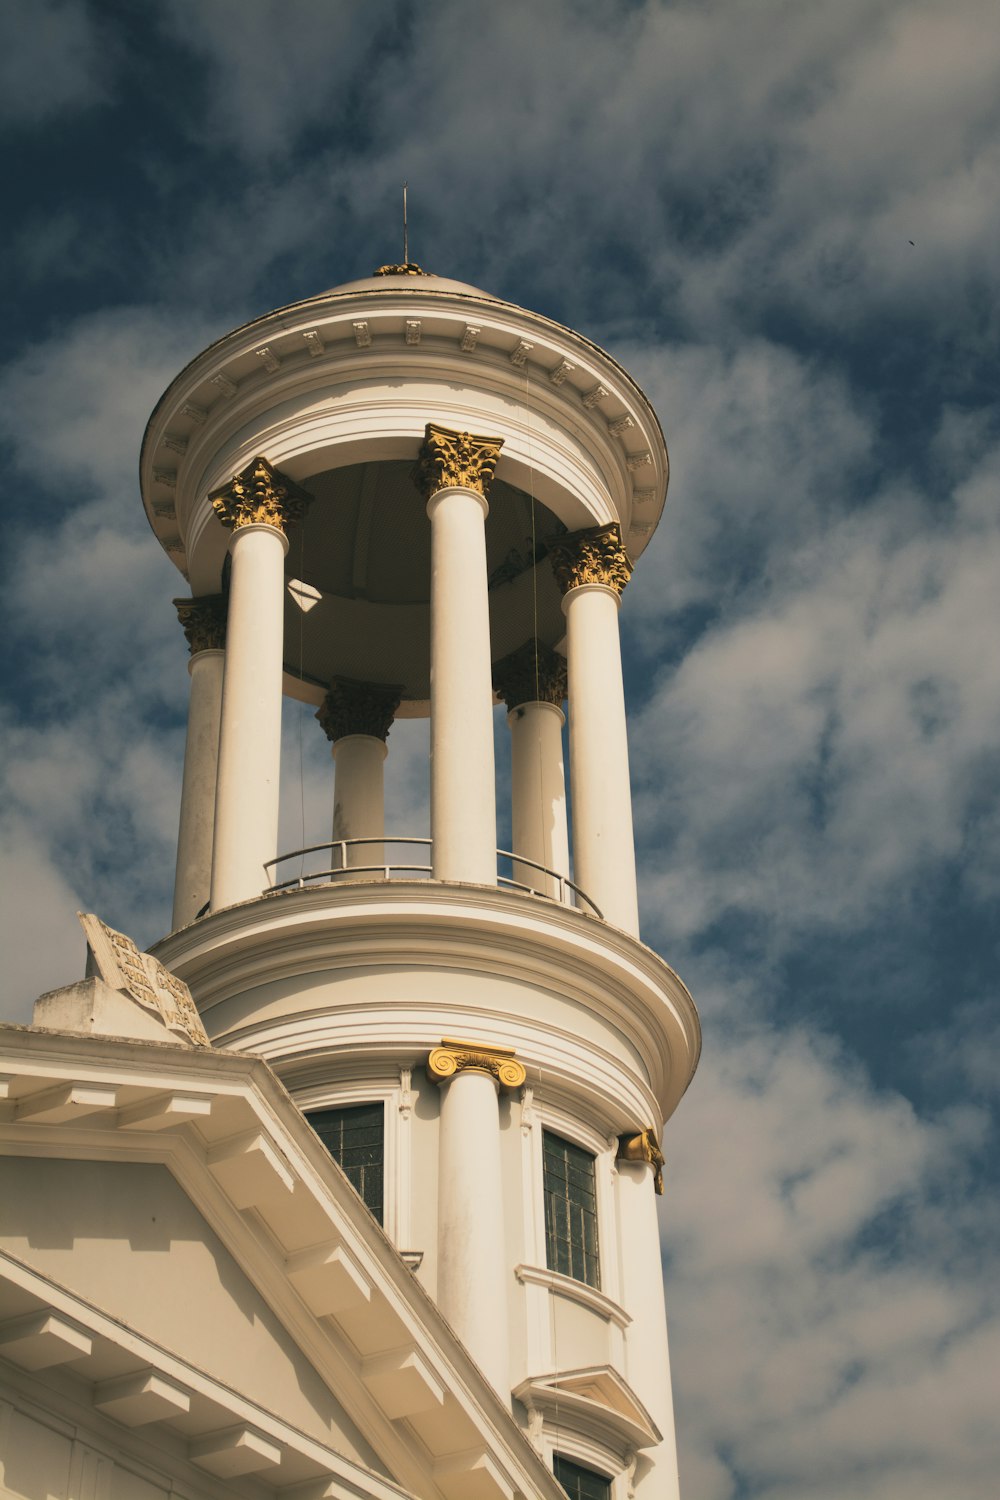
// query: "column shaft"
[[603, 844], [246, 804], [538, 794], [647, 1353], [193, 878], [472, 1273], [463, 791], [359, 796]]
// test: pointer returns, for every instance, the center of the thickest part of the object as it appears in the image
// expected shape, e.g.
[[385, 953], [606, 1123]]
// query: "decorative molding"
[[595, 397], [558, 375], [268, 359], [455, 460], [196, 413], [527, 1110], [644, 496], [458, 1057], [521, 353], [362, 333], [644, 1146], [575, 1291], [260, 495], [534, 673], [114, 958], [641, 528], [358, 708], [203, 621], [175, 442], [620, 426], [226, 386], [405, 1092], [413, 330], [635, 461], [165, 476], [595, 555], [469, 338], [173, 544], [165, 510], [314, 343]]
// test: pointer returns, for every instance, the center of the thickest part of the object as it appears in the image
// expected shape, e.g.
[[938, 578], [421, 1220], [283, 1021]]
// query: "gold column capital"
[[203, 621], [457, 1057], [534, 673], [455, 460], [260, 495], [644, 1146], [358, 708], [595, 555]]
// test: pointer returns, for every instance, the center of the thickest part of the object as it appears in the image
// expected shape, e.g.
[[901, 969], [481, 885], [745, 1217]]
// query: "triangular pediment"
[[592, 1399]]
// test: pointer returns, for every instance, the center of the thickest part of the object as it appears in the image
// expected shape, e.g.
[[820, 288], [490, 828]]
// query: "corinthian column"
[[592, 569], [454, 471], [532, 683], [356, 718], [204, 624], [257, 506], [472, 1262]]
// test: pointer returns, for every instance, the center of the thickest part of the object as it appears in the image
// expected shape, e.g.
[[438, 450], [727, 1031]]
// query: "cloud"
[[53, 61]]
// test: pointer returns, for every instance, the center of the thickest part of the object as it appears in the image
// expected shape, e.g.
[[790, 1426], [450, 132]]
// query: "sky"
[[784, 220]]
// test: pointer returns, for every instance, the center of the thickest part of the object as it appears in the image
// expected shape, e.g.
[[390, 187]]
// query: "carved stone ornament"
[[456, 1057], [644, 1147], [596, 555], [455, 460], [113, 957], [534, 673], [203, 622], [260, 496], [358, 708]]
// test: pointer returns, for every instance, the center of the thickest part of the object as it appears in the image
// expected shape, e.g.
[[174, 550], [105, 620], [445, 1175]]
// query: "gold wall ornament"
[[534, 673], [358, 708], [645, 1146], [260, 495], [457, 1057], [203, 622], [455, 460], [596, 555]]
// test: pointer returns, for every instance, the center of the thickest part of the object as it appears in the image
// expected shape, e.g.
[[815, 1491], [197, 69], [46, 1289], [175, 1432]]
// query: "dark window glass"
[[580, 1483], [355, 1139], [570, 1210]]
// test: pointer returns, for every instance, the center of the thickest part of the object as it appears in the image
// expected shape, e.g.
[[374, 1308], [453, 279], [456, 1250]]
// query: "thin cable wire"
[[302, 654]]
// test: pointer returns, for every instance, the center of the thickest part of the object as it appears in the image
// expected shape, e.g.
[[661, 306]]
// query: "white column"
[[647, 1354], [359, 796], [472, 1251], [538, 794], [456, 469], [193, 877], [246, 802]]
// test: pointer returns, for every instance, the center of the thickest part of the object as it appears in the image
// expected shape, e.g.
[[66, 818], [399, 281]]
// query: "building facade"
[[417, 1144]]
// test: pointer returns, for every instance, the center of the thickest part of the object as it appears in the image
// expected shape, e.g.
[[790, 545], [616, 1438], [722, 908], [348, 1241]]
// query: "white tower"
[[406, 497]]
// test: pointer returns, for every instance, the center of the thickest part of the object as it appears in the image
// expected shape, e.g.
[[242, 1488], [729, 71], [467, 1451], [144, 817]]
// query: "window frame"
[[376, 1111], [582, 1260], [606, 1478]]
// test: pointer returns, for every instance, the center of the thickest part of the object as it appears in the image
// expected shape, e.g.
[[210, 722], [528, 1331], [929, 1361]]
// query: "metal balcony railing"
[[344, 865]]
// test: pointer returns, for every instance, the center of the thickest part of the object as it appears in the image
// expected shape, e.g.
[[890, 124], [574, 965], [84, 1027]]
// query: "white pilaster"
[[193, 877], [538, 794], [603, 843], [246, 803], [647, 1356]]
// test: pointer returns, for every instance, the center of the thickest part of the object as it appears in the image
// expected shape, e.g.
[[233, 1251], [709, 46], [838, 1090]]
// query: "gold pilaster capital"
[[358, 708], [260, 495], [458, 1057], [203, 621], [644, 1146], [595, 555], [455, 460], [534, 673]]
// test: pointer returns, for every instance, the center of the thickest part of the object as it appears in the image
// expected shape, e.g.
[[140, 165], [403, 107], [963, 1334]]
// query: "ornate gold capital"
[[644, 1147], [534, 673], [203, 622], [457, 1057], [358, 708], [260, 496], [455, 460], [596, 555]]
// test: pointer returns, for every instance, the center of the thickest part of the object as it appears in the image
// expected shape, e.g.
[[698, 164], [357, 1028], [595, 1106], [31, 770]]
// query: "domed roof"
[[391, 278]]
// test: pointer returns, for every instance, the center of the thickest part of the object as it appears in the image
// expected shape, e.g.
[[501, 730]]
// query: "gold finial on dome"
[[409, 268]]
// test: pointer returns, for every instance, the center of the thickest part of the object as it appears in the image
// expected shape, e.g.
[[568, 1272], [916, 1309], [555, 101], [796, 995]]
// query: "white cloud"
[[52, 60]]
